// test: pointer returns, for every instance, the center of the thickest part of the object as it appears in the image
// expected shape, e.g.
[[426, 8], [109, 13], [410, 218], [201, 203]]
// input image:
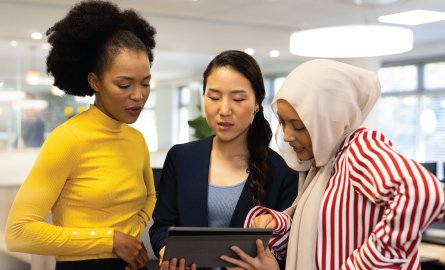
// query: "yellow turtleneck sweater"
[[94, 174]]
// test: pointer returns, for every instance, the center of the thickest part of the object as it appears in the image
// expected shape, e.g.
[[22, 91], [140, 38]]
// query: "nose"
[[288, 135], [139, 93], [225, 108]]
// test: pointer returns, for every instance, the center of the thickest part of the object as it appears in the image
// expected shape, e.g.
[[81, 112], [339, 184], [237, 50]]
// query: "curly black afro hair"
[[87, 39]]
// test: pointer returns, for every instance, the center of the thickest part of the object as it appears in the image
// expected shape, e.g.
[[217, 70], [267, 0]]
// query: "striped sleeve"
[[411, 198], [280, 235]]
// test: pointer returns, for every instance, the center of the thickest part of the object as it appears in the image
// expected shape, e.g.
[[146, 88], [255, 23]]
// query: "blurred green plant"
[[199, 124]]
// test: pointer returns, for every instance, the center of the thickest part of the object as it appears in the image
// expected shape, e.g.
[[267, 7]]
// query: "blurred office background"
[[411, 111]]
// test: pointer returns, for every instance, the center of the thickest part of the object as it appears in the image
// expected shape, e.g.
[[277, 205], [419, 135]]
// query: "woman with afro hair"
[[93, 172]]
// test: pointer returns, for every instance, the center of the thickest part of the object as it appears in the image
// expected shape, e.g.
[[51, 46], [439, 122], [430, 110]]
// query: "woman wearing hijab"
[[361, 204]]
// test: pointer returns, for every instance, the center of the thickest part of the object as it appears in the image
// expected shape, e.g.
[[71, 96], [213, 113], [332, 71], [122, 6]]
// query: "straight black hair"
[[260, 133]]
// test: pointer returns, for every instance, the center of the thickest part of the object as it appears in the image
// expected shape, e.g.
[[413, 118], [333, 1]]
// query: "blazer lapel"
[[198, 183]]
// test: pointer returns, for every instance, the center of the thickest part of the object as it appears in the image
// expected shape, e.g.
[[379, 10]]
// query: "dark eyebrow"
[[238, 91], [131, 78], [213, 90], [231, 92]]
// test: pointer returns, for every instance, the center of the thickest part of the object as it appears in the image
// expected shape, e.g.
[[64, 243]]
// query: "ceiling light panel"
[[413, 17], [351, 41]]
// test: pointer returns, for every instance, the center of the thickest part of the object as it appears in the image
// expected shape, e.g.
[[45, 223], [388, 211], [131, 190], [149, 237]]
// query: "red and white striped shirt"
[[375, 207], [278, 243]]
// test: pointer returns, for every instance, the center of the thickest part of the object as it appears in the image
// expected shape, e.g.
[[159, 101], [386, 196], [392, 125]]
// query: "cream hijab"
[[332, 99]]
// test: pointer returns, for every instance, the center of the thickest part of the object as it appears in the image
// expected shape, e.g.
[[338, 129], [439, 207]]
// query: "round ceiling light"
[[351, 41]]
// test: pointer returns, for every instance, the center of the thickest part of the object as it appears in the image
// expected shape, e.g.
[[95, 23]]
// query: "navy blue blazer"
[[183, 189]]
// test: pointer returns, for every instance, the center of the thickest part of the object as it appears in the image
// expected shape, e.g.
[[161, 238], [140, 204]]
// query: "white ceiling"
[[190, 32]]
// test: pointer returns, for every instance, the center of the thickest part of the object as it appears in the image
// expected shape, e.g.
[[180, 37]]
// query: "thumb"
[[260, 248]]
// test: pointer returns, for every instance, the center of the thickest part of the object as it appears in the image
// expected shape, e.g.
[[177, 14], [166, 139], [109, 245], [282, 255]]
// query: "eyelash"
[[282, 123], [236, 100], [128, 86]]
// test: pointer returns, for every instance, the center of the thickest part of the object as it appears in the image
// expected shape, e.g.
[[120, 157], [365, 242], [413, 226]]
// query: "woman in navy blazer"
[[214, 182]]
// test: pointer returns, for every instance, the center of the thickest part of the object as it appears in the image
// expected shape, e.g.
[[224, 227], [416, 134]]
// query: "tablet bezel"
[[203, 245]]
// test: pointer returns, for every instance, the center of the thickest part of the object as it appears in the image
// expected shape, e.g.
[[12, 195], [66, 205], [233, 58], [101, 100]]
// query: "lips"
[[224, 126], [135, 111], [298, 149]]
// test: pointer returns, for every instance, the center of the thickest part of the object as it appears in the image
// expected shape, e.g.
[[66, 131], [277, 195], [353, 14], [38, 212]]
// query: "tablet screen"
[[203, 246]]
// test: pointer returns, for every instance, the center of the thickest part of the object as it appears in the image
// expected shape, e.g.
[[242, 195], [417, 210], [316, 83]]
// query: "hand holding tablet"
[[203, 246]]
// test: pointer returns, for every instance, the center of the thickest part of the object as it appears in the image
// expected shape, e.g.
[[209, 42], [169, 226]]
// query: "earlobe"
[[93, 81], [257, 108]]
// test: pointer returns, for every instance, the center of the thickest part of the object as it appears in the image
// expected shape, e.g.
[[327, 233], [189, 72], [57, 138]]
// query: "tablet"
[[203, 246]]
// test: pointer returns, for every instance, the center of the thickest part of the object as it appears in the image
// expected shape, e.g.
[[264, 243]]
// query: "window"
[[269, 85], [411, 112], [27, 118], [399, 78], [435, 76], [396, 118], [272, 85], [184, 101], [432, 131], [146, 123]]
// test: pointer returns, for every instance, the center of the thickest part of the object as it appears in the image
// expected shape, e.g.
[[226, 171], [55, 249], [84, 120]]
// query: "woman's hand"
[[172, 265], [130, 249], [264, 221], [263, 261]]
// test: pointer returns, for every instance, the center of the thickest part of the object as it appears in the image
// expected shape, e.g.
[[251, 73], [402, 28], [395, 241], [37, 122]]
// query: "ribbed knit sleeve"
[[93, 174], [411, 199], [26, 227]]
